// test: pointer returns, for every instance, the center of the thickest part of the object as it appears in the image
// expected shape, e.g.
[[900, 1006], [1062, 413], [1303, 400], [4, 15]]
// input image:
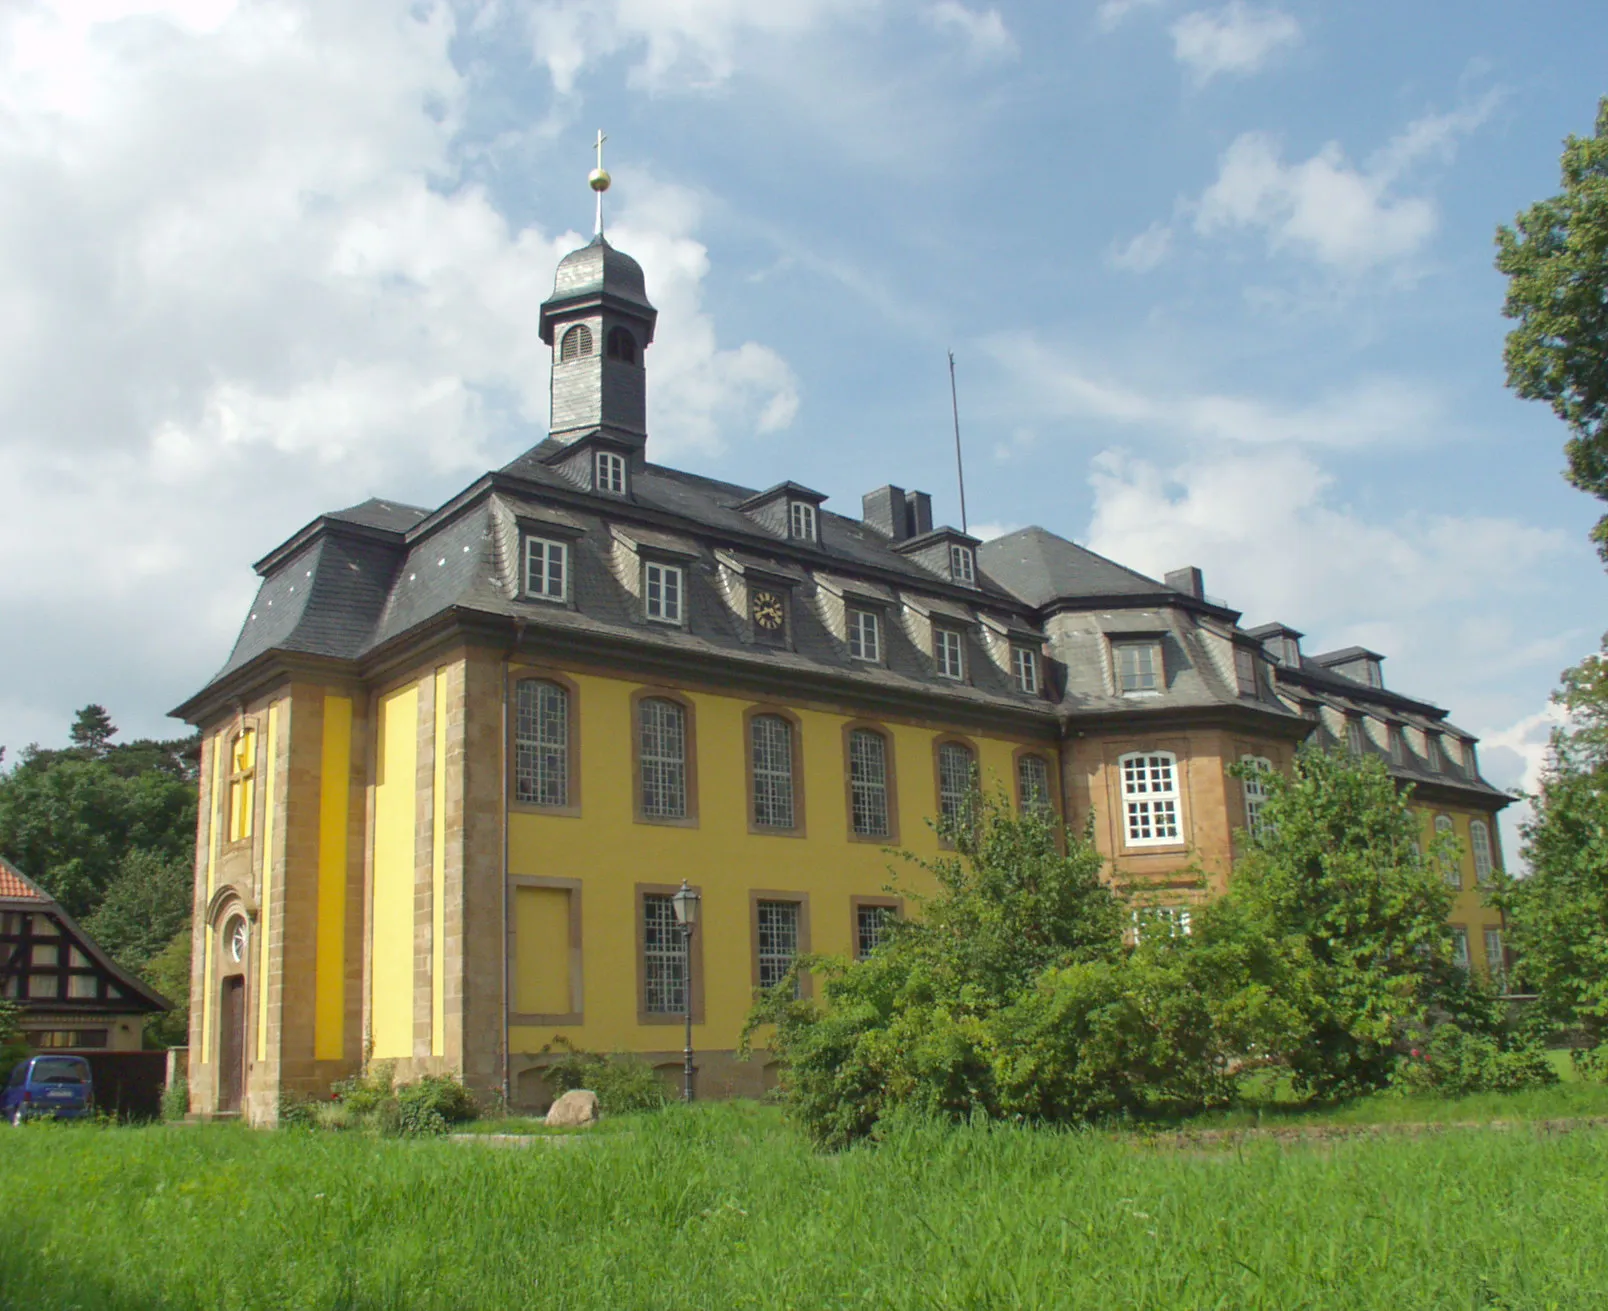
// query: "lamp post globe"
[[685, 904]]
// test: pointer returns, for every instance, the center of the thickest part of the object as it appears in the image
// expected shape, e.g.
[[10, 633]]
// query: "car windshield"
[[60, 1069]]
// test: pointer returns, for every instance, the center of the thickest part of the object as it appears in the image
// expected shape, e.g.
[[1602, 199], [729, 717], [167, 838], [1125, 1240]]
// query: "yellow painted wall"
[[395, 816], [270, 800], [209, 969], [334, 803], [438, 875], [541, 934], [610, 853], [1470, 909]]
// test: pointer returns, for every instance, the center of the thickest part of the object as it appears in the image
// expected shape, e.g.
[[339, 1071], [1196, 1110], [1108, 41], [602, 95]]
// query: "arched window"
[[1451, 869], [1255, 787], [956, 769], [236, 939], [1033, 785], [662, 754], [541, 743], [575, 342], [622, 346], [868, 783], [771, 744], [1479, 835], [1150, 798], [242, 784]]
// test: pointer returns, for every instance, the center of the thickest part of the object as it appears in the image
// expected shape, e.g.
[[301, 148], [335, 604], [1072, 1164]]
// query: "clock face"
[[769, 611]]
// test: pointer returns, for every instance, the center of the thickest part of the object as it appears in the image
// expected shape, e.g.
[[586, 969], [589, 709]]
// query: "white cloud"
[[1112, 13], [1234, 39], [983, 31], [1143, 252], [1324, 207], [692, 43], [987, 532], [1367, 412], [243, 280]]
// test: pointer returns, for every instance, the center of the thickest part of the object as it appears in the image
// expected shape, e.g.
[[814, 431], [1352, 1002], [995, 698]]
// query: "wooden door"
[[232, 1044]]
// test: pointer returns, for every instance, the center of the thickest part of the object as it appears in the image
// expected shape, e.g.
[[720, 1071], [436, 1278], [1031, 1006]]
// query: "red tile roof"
[[13, 885]]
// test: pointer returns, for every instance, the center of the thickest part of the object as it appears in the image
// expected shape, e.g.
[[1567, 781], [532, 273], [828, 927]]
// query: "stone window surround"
[[645, 1017], [690, 723], [576, 974], [782, 712], [522, 673], [891, 773]]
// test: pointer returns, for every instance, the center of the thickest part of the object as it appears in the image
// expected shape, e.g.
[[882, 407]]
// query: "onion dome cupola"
[[599, 323]]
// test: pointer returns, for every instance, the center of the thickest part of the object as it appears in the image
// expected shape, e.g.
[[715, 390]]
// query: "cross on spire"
[[599, 180]]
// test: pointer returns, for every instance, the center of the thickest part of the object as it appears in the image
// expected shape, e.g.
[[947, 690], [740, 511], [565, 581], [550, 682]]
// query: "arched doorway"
[[232, 1016]]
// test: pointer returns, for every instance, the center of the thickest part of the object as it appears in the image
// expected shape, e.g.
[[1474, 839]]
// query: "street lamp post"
[[685, 904]]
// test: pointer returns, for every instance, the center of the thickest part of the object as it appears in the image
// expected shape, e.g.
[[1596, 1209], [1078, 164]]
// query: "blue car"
[[59, 1086]]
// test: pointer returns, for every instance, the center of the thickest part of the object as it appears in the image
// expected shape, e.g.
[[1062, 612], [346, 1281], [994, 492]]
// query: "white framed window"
[[610, 475], [1398, 749], [865, 636], [1471, 759], [1150, 798], [962, 565], [1138, 667], [546, 568], [801, 520], [771, 742], [1356, 735], [1496, 957], [1245, 670], [662, 756], [777, 925], [1479, 838], [1434, 756], [955, 770], [868, 783], [947, 651], [871, 928], [1451, 865], [1161, 921], [1255, 787], [1025, 669], [663, 589], [1460, 947], [664, 958], [1033, 785], [541, 743]]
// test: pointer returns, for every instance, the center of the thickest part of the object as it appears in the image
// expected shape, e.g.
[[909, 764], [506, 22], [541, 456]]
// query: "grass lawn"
[[725, 1207]]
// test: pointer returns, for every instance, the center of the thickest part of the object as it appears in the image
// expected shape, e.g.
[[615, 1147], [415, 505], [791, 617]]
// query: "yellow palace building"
[[459, 758]]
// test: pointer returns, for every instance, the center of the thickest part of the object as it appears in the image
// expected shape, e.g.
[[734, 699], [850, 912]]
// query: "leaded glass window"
[[541, 744], [778, 940], [870, 928], [868, 783], [1033, 785], [954, 780], [663, 759], [771, 738], [664, 958]]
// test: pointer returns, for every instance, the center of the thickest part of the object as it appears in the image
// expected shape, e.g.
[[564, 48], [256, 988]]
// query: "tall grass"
[[724, 1207]]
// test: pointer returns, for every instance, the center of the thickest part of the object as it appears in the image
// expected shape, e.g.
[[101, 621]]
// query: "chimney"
[[1188, 580], [884, 510], [918, 512]]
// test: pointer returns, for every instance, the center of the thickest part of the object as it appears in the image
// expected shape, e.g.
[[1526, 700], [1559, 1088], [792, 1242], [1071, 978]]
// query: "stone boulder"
[[575, 1109]]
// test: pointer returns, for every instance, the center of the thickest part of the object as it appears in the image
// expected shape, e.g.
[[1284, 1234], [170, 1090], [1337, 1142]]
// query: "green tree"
[[1555, 257], [1011, 995], [1557, 914], [1332, 939], [147, 902], [169, 973], [12, 1048], [93, 730]]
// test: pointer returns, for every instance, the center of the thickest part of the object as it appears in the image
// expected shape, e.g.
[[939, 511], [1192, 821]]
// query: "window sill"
[[535, 808], [666, 821]]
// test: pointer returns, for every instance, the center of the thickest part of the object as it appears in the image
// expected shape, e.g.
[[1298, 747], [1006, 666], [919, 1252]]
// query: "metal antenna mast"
[[960, 469]]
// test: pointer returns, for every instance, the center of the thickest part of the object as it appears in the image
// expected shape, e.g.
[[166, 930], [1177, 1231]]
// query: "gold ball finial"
[[598, 179]]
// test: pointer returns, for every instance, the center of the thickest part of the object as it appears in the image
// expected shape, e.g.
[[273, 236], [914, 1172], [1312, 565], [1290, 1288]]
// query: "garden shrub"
[[374, 1100], [176, 1099], [622, 1083], [1453, 1062], [363, 1093], [441, 1095], [1591, 1063], [297, 1112]]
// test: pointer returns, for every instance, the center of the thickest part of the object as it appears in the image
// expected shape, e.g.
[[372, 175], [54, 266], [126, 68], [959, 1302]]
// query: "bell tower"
[[599, 323]]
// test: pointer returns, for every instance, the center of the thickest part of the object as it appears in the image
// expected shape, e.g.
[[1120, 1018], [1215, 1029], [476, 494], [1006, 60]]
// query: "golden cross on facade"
[[599, 180]]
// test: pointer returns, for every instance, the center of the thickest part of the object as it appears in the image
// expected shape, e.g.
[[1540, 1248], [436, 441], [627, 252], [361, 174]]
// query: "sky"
[[1217, 277]]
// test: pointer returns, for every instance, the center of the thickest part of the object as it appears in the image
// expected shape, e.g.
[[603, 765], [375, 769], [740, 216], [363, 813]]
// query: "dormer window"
[[948, 653], [575, 343], [1025, 669], [1290, 655], [1138, 666], [546, 569], [622, 346], [962, 564], [610, 476], [1245, 670], [865, 636], [664, 586], [801, 521], [1397, 745]]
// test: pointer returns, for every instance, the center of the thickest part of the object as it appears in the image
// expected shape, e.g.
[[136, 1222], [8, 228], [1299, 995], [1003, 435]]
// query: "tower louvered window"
[[868, 783], [575, 342], [663, 758], [1150, 798], [772, 744], [622, 346], [541, 744]]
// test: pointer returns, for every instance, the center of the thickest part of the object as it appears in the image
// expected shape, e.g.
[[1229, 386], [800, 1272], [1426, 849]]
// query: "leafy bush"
[[297, 1112], [374, 1100], [176, 1099], [12, 1047], [622, 1083], [1453, 1062], [1591, 1063], [441, 1095], [363, 1093]]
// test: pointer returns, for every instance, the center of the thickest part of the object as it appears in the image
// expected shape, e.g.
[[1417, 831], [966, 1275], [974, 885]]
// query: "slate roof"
[[596, 267], [1040, 567]]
